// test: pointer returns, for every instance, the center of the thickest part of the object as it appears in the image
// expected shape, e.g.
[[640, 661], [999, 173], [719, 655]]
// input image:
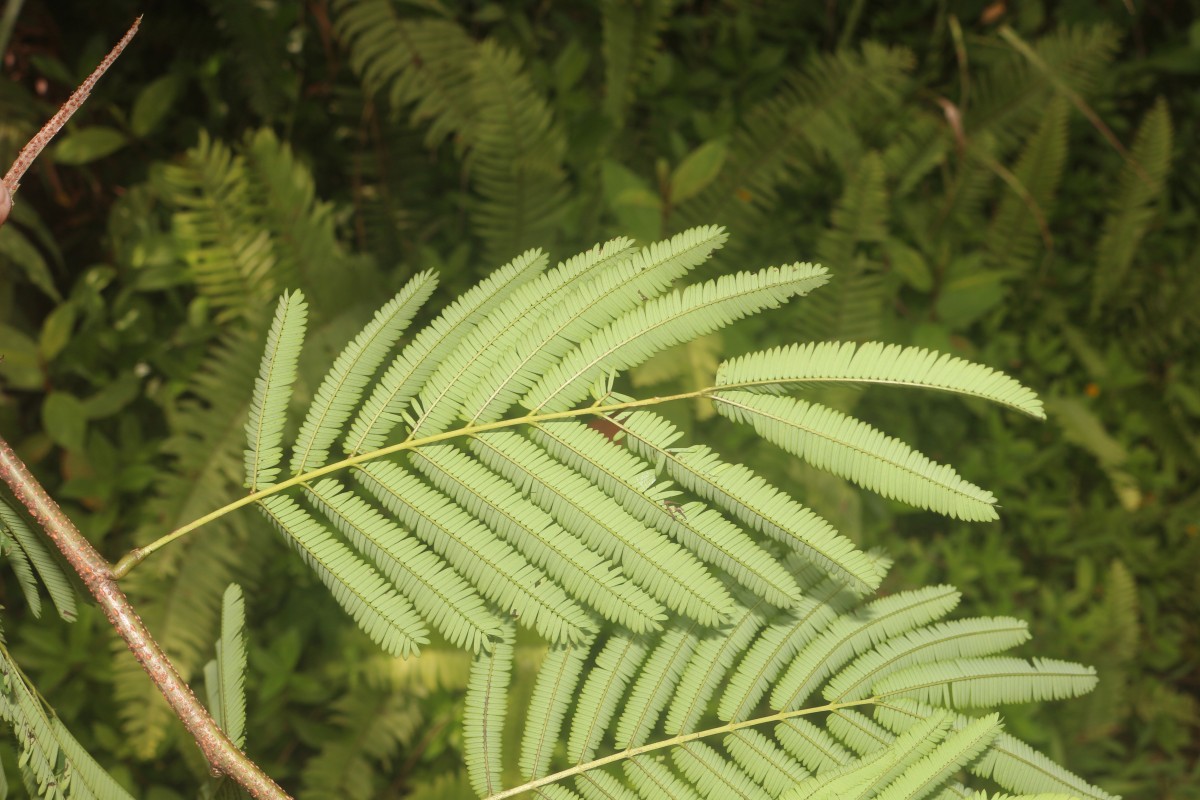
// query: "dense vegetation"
[[1012, 186]]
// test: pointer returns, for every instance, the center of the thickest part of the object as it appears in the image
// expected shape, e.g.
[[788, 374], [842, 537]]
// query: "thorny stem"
[[37, 144], [139, 554], [674, 741], [222, 754]]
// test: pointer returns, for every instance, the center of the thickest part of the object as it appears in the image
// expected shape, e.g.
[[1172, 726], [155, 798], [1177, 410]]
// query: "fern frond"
[[383, 614], [815, 363], [484, 711], [586, 575], [422, 64], [1013, 236], [26, 549], [665, 570], [228, 254], [668, 320], [498, 571], [179, 593], [553, 694], [859, 220], [758, 504], [630, 32], [1133, 206], [340, 391], [967, 638], [844, 446], [417, 361], [703, 531], [516, 165], [272, 391], [370, 726], [227, 694], [612, 292], [976, 682], [439, 594]]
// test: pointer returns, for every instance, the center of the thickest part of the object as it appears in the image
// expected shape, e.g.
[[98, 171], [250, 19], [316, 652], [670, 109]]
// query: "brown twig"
[[12, 180], [222, 754], [97, 574]]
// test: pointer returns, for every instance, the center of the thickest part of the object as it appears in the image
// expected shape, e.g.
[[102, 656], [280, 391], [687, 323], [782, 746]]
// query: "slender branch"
[[674, 741], [139, 554], [222, 754]]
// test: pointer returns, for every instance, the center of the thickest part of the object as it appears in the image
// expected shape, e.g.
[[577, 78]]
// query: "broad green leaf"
[[88, 145], [65, 420], [697, 170], [154, 103]]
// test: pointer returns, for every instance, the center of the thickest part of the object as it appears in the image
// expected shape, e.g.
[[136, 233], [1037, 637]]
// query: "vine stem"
[[222, 754], [139, 554], [674, 741]]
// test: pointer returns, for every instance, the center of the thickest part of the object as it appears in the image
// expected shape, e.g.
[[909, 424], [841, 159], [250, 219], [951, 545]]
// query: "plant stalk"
[[222, 754]]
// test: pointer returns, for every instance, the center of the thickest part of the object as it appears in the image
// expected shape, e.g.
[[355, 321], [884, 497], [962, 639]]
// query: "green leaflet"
[[48, 751], [852, 634], [552, 696], [24, 548], [668, 572], [272, 391], [964, 638], [677, 317], [383, 614], [751, 499], [1010, 762], [417, 361], [442, 392], [589, 577], [765, 761], [655, 684], [340, 391], [603, 690], [776, 648], [974, 682], [483, 714], [225, 676], [496, 335], [814, 363], [611, 293], [713, 657], [851, 449], [703, 531], [486, 561], [439, 594]]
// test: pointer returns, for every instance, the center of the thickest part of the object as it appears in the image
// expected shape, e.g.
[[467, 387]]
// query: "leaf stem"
[[139, 554], [674, 741], [97, 576]]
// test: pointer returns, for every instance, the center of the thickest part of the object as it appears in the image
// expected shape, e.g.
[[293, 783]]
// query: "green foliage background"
[[1018, 188]]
